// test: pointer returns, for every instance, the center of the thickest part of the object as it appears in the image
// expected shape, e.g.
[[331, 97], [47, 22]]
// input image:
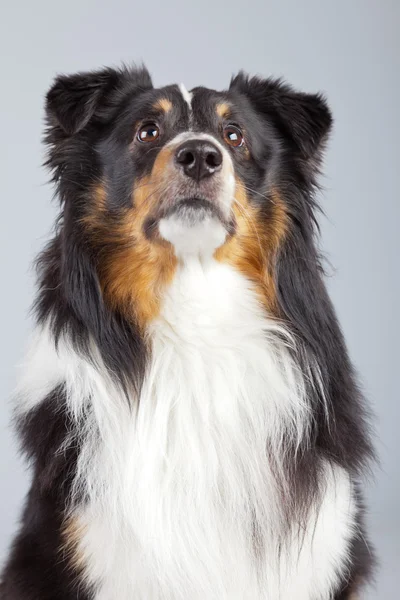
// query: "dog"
[[193, 421]]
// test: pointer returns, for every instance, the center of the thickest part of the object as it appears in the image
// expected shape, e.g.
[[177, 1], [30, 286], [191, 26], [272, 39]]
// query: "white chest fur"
[[182, 501]]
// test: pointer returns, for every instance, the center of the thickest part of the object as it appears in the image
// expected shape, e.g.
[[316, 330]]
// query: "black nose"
[[199, 158]]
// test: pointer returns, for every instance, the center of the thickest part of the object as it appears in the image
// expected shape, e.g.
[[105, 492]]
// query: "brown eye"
[[148, 133], [233, 136]]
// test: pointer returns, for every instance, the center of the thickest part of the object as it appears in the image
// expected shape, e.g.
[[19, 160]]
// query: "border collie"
[[192, 418]]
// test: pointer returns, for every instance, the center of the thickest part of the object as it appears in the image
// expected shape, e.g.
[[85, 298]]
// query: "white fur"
[[198, 239], [187, 96], [40, 373], [179, 481]]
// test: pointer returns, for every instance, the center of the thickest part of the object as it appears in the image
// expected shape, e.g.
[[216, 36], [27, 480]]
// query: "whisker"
[[266, 196], [142, 185]]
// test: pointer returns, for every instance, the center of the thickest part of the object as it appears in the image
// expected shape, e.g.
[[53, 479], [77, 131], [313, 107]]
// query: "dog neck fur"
[[179, 489]]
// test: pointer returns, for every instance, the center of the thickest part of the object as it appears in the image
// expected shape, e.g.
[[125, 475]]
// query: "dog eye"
[[148, 133], [233, 136]]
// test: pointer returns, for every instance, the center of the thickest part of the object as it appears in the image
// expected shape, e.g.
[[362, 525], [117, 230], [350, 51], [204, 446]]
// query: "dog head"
[[149, 178]]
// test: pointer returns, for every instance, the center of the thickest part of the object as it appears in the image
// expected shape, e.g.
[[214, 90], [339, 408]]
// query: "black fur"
[[38, 567], [90, 120]]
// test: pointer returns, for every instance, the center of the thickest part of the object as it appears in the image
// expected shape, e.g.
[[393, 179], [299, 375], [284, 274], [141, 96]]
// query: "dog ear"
[[73, 100], [304, 119]]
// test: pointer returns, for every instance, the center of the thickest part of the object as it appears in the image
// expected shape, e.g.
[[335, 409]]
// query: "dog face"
[[151, 177]]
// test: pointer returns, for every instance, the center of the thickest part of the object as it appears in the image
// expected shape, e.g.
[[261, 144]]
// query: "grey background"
[[347, 48]]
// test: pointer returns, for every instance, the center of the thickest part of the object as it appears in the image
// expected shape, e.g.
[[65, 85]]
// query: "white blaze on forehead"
[[187, 96]]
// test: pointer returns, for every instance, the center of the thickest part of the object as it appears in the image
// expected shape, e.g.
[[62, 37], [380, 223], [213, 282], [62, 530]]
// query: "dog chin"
[[194, 227]]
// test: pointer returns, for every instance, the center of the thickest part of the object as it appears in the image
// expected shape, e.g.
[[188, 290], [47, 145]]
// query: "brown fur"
[[253, 248], [133, 270], [163, 105], [72, 534], [223, 110]]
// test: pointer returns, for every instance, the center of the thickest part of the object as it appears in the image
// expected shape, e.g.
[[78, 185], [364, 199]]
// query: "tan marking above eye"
[[163, 104], [223, 110]]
